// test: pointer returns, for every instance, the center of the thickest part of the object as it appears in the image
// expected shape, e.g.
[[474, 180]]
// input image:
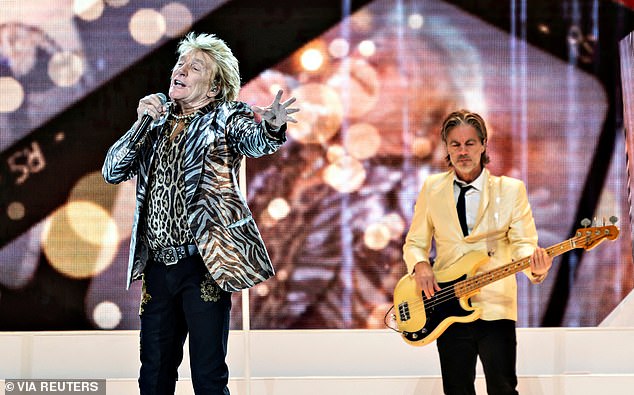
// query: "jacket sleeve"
[[121, 163], [248, 137], [418, 240], [522, 232]]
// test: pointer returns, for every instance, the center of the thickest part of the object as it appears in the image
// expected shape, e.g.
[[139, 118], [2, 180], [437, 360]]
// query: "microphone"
[[145, 122]]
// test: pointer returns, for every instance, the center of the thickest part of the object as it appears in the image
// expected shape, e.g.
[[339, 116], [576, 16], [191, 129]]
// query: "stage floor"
[[552, 361]]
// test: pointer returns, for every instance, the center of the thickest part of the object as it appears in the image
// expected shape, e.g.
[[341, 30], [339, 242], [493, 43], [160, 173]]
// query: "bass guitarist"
[[467, 209]]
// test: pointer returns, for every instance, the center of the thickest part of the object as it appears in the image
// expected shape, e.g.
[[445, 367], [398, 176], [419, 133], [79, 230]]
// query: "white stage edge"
[[552, 361]]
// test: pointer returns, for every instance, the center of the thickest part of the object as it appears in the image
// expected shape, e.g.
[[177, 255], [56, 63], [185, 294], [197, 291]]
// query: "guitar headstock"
[[590, 237]]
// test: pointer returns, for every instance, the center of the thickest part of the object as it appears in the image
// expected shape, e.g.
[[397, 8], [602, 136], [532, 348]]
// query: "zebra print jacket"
[[219, 218]]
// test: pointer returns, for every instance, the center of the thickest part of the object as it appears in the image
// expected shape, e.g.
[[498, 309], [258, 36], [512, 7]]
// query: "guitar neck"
[[474, 283]]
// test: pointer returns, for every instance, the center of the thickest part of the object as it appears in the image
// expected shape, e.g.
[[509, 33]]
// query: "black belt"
[[171, 255]]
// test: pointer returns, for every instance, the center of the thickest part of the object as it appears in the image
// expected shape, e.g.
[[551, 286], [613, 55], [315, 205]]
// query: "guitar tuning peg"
[[594, 222], [614, 220], [585, 222]]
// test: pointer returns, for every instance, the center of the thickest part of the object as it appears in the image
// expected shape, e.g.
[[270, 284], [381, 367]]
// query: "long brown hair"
[[465, 117]]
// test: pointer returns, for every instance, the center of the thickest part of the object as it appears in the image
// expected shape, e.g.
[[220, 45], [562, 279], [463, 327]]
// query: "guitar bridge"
[[403, 311]]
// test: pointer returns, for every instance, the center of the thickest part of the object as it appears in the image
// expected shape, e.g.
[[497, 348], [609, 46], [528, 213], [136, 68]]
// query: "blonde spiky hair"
[[227, 73]]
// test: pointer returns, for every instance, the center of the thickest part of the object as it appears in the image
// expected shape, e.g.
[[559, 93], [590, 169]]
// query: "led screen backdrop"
[[626, 51], [373, 79]]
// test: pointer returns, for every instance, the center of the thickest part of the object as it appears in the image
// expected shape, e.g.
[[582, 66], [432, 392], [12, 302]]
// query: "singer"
[[194, 240]]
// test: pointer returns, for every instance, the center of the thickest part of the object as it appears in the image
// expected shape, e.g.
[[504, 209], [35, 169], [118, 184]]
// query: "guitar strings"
[[442, 296], [449, 293], [446, 294]]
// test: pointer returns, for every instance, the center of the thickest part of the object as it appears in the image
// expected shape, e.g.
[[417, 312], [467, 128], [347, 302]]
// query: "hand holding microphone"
[[150, 107]]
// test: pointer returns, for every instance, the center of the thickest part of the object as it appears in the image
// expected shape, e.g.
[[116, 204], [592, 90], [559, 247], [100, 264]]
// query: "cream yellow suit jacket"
[[504, 228]]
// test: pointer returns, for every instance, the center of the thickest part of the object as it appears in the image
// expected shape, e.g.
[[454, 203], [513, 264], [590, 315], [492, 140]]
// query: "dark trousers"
[[496, 345], [178, 300]]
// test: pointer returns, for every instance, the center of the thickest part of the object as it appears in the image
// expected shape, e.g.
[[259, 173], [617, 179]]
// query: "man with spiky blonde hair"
[[194, 240]]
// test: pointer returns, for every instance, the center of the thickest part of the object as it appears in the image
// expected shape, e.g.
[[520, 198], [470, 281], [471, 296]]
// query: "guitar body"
[[421, 320]]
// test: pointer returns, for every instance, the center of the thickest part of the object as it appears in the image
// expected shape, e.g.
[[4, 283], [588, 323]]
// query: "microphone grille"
[[162, 97]]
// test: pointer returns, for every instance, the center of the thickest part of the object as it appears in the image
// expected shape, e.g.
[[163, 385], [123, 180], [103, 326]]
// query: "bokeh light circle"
[[16, 211], [117, 3], [339, 48], [367, 48], [262, 290], [335, 152], [80, 239], [92, 223], [88, 10], [346, 175], [147, 26], [178, 19], [281, 275], [119, 200], [312, 59], [362, 21], [65, 68], [396, 225], [12, 94], [107, 315], [320, 116], [415, 21], [422, 147], [362, 140], [376, 236], [278, 208]]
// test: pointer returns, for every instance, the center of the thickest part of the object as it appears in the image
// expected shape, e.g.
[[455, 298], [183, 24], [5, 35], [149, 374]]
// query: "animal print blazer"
[[219, 218]]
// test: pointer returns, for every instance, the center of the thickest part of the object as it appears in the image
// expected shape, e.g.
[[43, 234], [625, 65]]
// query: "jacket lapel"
[[485, 197], [446, 200], [196, 143]]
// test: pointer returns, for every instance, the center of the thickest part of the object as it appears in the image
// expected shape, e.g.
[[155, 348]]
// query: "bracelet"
[[538, 278]]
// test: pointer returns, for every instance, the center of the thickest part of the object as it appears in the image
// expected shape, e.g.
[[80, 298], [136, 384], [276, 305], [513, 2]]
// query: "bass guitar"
[[421, 320]]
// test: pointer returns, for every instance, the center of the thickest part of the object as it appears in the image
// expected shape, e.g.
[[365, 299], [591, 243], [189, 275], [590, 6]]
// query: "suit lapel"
[[447, 200], [197, 141], [485, 197]]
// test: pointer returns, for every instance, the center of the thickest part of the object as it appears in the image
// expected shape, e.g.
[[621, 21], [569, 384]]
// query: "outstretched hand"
[[277, 114]]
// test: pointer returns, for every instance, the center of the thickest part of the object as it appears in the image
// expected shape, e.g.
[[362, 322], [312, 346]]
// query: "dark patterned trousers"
[[178, 300]]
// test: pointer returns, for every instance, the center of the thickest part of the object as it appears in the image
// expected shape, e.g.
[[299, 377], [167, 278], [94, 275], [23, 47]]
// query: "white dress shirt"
[[472, 198]]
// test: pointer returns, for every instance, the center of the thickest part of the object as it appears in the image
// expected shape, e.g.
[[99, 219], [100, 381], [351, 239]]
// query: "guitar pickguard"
[[438, 309]]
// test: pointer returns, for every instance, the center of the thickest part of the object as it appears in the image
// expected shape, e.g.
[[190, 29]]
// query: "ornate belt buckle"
[[170, 256]]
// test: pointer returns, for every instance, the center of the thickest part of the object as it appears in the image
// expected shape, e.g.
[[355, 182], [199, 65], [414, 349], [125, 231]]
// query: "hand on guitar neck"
[[540, 263]]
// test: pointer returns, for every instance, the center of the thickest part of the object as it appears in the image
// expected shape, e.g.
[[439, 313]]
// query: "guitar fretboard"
[[583, 239]]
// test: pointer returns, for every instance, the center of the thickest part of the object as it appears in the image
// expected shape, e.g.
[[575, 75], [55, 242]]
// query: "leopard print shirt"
[[166, 214]]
